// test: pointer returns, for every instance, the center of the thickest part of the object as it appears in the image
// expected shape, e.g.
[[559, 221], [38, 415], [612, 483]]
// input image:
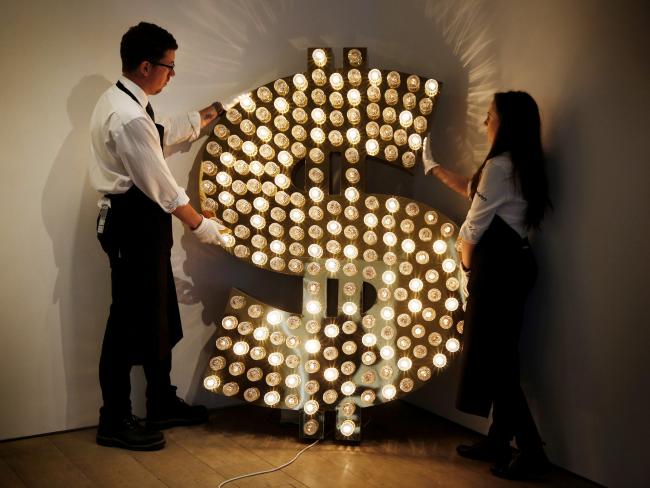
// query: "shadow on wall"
[[82, 286]]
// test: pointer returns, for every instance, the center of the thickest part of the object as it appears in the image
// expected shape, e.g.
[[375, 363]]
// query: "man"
[[134, 228]]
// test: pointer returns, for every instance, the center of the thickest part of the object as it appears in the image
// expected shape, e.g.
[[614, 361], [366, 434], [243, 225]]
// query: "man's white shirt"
[[126, 147]]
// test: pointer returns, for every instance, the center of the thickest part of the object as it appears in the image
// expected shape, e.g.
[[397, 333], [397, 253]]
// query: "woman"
[[509, 195]]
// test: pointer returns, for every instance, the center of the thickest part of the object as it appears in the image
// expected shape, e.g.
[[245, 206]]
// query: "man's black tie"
[[150, 113]]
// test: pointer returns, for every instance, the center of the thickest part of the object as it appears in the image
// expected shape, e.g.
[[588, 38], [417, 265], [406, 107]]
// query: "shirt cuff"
[[465, 234], [195, 121], [181, 199]]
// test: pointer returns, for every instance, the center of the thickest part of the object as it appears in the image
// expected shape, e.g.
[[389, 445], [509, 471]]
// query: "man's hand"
[[211, 112], [427, 157], [210, 232]]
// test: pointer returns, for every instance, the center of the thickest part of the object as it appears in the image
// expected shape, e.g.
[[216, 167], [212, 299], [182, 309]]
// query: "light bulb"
[[247, 103], [348, 388], [331, 330], [299, 81], [408, 246], [406, 119], [285, 158], [374, 77], [261, 333], [392, 205], [388, 277], [240, 348], [272, 398], [387, 352], [439, 360], [350, 251], [264, 133], [387, 313], [372, 147], [404, 364], [297, 215], [259, 258], [349, 308], [332, 265], [336, 80], [276, 359], [315, 251], [312, 346], [317, 135], [439, 247], [390, 239], [388, 392], [451, 304], [274, 317], [211, 382], [258, 221], [370, 220], [223, 178], [354, 97], [311, 407], [292, 381], [314, 307], [347, 428], [281, 105], [352, 194], [320, 57], [331, 374], [448, 265], [431, 88], [353, 136], [415, 305], [318, 116], [452, 345], [334, 227], [415, 141]]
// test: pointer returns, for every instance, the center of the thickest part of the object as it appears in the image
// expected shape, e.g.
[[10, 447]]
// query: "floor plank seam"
[[78, 468]]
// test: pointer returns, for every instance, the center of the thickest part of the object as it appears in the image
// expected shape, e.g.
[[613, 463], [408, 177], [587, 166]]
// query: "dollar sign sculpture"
[[405, 250]]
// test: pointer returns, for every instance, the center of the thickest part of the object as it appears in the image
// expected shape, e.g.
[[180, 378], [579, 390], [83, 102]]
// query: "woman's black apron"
[[503, 272]]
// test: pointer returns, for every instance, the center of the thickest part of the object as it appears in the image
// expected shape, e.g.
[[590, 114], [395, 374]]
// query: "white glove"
[[427, 157], [209, 232]]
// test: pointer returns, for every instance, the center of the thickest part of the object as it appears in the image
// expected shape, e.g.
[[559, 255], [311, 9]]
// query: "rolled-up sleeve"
[[137, 144], [491, 193], [186, 127]]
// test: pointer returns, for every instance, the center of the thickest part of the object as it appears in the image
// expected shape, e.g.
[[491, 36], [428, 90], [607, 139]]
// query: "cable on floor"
[[224, 483]]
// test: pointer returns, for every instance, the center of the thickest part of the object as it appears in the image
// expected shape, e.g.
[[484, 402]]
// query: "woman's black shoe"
[[486, 450], [526, 465], [127, 433]]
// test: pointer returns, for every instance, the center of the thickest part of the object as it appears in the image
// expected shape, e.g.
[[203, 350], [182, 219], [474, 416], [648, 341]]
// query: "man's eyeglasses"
[[171, 67]]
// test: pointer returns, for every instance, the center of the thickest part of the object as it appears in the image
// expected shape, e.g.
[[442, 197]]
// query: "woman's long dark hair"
[[519, 133]]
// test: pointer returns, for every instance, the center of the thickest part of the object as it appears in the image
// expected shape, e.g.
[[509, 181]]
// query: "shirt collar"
[[136, 90]]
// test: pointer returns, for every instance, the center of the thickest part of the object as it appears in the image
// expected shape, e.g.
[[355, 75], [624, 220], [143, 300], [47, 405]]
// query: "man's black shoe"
[[127, 433], [526, 465], [486, 450], [176, 413]]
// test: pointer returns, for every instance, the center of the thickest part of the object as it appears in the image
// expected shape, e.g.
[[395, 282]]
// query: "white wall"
[[584, 349]]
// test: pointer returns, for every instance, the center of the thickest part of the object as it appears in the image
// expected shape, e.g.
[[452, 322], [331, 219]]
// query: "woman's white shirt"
[[496, 195]]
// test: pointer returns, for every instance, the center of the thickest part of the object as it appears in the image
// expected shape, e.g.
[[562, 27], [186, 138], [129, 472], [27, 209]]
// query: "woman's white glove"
[[210, 232], [427, 157]]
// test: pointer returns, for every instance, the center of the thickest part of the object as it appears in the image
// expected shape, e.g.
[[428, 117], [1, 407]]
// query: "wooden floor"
[[403, 447]]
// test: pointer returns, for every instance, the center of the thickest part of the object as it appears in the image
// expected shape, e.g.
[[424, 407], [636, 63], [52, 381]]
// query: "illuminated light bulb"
[[347, 428], [374, 77], [439, 360], [370, 220], [249, 148], [406, 119], [292, 381], [416, 285], [227, 159], [452, 345], [387, 352], [431, 88], [408, 245], [451, 304], [331, 330], [336, 99], [317, 135], [315, 251], [314, 307], [415, 141], [211, 382], [318, 116], [300, 81], [261, 333], [336, 80], [261, 204], [312, 346], [334, 228], [285, 158], [240, 348], [316, 194], [311, 407], [388, 277], [258, 221], [332, 265], [392, 205], [418, 331], [351, 194], [320, 57], [223, 178], [259, 258], [331, 374], [439, 247], [387, 313], [404, 364], [448, 265], [247, 103], [274, 317], [353, 136], [272, 398], [372, 147], [350, 251], [276, 359], [354, 97], [388, 392], [415, 305], [281, 105], [390, 239], [369, 340], [348, 388], [297, 215], [256, 168], [349, 308]]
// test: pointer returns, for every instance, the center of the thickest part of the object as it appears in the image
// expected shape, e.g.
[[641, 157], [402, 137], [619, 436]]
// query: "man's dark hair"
[[144, 42]]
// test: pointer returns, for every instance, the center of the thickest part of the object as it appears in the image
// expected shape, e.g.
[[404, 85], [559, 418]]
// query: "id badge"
[[102, 219]]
